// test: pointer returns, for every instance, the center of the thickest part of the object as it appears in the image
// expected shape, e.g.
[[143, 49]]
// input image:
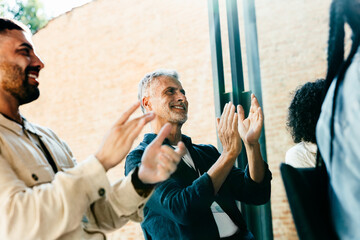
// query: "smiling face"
[[19, 66], [166, 98]]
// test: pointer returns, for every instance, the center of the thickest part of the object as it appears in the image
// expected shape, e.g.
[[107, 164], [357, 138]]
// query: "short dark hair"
[[10, 24], [304, 111]]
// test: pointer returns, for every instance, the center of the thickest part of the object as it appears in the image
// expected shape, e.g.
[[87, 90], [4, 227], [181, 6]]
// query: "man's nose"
[[181, 97], [36, 61]]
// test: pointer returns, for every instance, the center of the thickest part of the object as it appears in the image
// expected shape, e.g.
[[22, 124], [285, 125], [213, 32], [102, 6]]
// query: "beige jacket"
[[76, 203]]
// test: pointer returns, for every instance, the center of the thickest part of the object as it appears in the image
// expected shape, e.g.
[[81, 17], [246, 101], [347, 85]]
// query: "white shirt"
[[302, 155]]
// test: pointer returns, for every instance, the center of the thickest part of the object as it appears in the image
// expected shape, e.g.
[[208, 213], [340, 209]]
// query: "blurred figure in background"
[[338, 131], [304, 112]]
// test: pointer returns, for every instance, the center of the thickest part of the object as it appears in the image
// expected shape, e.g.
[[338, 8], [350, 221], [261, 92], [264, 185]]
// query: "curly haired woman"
[[304, 111]]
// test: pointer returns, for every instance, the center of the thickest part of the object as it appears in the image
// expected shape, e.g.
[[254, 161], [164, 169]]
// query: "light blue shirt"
[[344, 166]]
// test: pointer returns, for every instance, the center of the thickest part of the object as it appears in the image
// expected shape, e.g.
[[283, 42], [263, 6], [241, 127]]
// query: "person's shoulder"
[[134, 157], [310, 147], [44, 130], [139, 149], [206, 148], [299, 156], [295, 151]]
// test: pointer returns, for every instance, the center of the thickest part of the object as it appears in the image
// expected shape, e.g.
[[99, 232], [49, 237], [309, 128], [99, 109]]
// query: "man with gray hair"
[[198, 201]]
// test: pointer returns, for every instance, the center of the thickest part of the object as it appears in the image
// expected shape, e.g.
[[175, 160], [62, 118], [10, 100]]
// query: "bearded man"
[[44, 195]]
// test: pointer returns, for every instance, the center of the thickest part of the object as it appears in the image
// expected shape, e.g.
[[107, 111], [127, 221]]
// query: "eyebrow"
[[174, 88], [27, 45], [169, 88]]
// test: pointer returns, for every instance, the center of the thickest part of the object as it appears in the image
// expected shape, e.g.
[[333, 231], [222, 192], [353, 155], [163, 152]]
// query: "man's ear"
[[147, 104]]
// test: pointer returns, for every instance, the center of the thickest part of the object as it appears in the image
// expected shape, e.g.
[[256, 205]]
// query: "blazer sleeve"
[[174, 201], [239, 183], [244, 189], [182, 204]]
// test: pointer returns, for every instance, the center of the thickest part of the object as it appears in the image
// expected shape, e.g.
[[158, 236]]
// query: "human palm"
[[227, 130], [250, 127]]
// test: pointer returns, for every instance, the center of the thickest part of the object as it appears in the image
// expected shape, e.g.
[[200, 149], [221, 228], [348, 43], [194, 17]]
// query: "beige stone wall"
[[96, 54]]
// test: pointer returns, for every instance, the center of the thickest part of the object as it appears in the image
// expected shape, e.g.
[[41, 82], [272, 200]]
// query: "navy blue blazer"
[[180, 206]]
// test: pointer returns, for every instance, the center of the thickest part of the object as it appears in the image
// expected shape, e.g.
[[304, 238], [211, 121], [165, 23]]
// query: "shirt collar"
[[15, 127], [11, 125], [28, 126]]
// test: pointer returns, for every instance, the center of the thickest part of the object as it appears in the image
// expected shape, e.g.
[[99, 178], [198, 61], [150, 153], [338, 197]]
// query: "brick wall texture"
[[96, 54]]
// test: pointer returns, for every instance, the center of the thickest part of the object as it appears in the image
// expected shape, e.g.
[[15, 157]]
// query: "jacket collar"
[[149, 137]]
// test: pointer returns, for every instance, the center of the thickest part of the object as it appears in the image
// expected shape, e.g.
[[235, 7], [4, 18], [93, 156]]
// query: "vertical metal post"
[[220, 97], [237, 76], [258, 218], [263, 221]]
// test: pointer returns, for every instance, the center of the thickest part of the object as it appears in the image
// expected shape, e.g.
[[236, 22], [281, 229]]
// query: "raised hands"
[[160, 161], [118, 141], [250, 127], [228, 133]]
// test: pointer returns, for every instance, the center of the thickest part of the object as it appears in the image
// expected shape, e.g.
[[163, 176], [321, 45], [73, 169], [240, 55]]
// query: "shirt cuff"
[[141, 188], [124, 198], [266, 180]]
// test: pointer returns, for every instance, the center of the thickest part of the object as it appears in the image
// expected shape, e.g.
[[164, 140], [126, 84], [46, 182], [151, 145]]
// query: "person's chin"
[[35, 94]]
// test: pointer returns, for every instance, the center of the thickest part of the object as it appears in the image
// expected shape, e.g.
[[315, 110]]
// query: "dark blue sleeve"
[[182, 205], [244, 189], [172, 200]]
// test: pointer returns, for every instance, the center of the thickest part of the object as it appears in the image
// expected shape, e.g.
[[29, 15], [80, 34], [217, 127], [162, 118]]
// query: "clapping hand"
[[160, 161], [227, 126], [250, 127], [120, 138]]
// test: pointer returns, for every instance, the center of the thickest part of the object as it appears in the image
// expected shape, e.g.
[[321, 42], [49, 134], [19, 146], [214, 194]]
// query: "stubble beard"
[[14, 81], [175, 117]]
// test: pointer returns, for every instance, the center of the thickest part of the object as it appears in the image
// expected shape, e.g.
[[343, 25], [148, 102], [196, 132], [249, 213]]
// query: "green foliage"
[[30, 12]]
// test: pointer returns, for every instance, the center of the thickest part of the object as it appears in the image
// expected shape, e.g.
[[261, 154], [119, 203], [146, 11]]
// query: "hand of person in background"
[[118, 141], [227, 126], [160, 161], [250, 127]]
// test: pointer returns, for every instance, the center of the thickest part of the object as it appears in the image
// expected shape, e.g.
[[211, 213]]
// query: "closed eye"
[[170, 91], [24, 51]]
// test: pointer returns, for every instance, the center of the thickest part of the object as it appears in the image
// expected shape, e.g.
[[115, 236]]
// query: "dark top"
[[180, 206]]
